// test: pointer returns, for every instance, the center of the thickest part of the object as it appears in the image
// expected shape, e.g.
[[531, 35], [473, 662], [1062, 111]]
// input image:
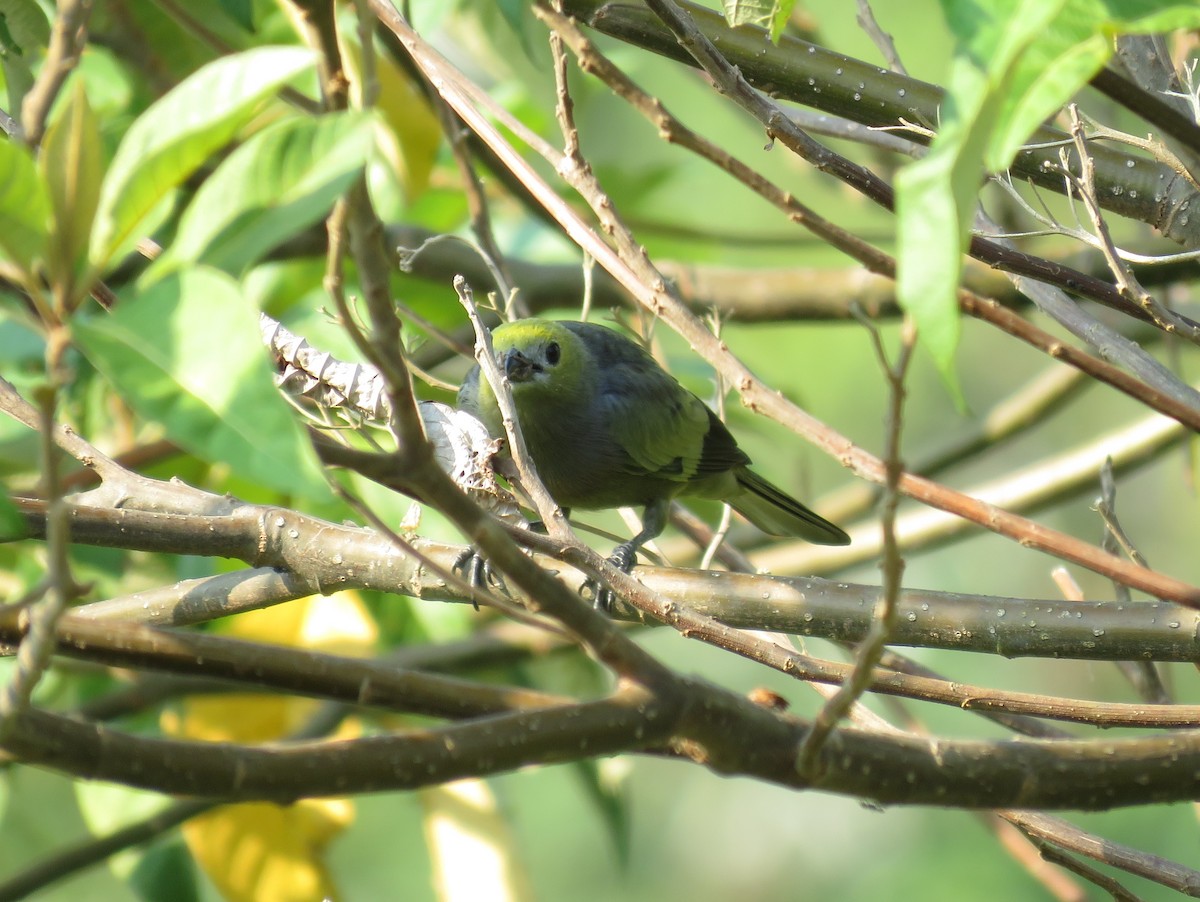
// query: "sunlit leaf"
[[1063, 57], [772, 15], [783, 14], [337, 624], [110, 87], [26, 30], [186, 353], [259, 851], [470, 844], [279, 182], [180, 131], [1015, 64], [108, 807]]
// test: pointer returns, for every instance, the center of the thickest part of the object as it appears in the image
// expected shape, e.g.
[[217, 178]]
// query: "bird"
[[606, 426]]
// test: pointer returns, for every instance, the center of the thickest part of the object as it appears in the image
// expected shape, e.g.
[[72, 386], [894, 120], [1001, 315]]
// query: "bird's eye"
[[553, 353]]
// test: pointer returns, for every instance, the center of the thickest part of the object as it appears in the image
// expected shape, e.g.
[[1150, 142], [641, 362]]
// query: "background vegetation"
[[173, 169]]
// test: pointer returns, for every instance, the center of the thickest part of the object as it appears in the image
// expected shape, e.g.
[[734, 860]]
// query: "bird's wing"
[[665, 430]]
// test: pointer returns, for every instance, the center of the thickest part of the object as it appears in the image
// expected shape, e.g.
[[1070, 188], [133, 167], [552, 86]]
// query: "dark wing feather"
[[720, 452]]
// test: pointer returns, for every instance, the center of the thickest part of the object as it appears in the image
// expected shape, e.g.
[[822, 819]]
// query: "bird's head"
[[541, 357]]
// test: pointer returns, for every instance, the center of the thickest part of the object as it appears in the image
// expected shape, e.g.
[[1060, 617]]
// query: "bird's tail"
[[779, 514]]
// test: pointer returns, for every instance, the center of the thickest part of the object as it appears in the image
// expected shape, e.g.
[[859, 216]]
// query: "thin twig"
[[1085, 183], [11, 126], [1164, 393], [90, 852], [1028, 406], [1018, 846], [547, 508], [514, 303], [1070, 838], [882, 40], [731, 82], [275, 537], [477, 594], [887, 611], [1142, 674], [1039, 483], [717, 538], [187, 21], [1110, 885], [37, 647], [1054, 227], [67, 38]]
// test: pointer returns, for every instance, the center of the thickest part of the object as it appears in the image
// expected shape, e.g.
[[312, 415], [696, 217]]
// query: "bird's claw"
[[478, 573], [623, 557]]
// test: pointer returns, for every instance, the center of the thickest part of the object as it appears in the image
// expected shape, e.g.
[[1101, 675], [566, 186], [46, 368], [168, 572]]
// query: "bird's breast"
[[581, 463]]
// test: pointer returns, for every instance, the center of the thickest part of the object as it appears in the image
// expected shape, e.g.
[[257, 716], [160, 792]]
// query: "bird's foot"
[[478, 573], [602, 597]]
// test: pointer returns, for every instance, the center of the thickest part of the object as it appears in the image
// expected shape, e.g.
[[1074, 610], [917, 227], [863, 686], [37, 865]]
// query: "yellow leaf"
[[261, 851], [413, 135], [338, 624]]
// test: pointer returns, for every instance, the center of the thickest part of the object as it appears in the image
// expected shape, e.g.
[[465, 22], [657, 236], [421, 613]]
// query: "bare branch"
[[67, 39]]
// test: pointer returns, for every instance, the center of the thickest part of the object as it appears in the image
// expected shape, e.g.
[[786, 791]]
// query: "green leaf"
[[1039, 55], [24, 33], [187, 353], [772, 15], [935, 196], [107, 807], [24, 211], [180, 131], [1016, 63], [1138, 16], [110, 87], [280, 181], [929, 243], [25, 29], [1042, 94], [12, 523], [241, 11], [72, 166], [1063, 57], [166, 872], [783, 15]]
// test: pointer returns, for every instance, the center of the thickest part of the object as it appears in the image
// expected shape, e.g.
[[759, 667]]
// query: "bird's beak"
[[518, 367]]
